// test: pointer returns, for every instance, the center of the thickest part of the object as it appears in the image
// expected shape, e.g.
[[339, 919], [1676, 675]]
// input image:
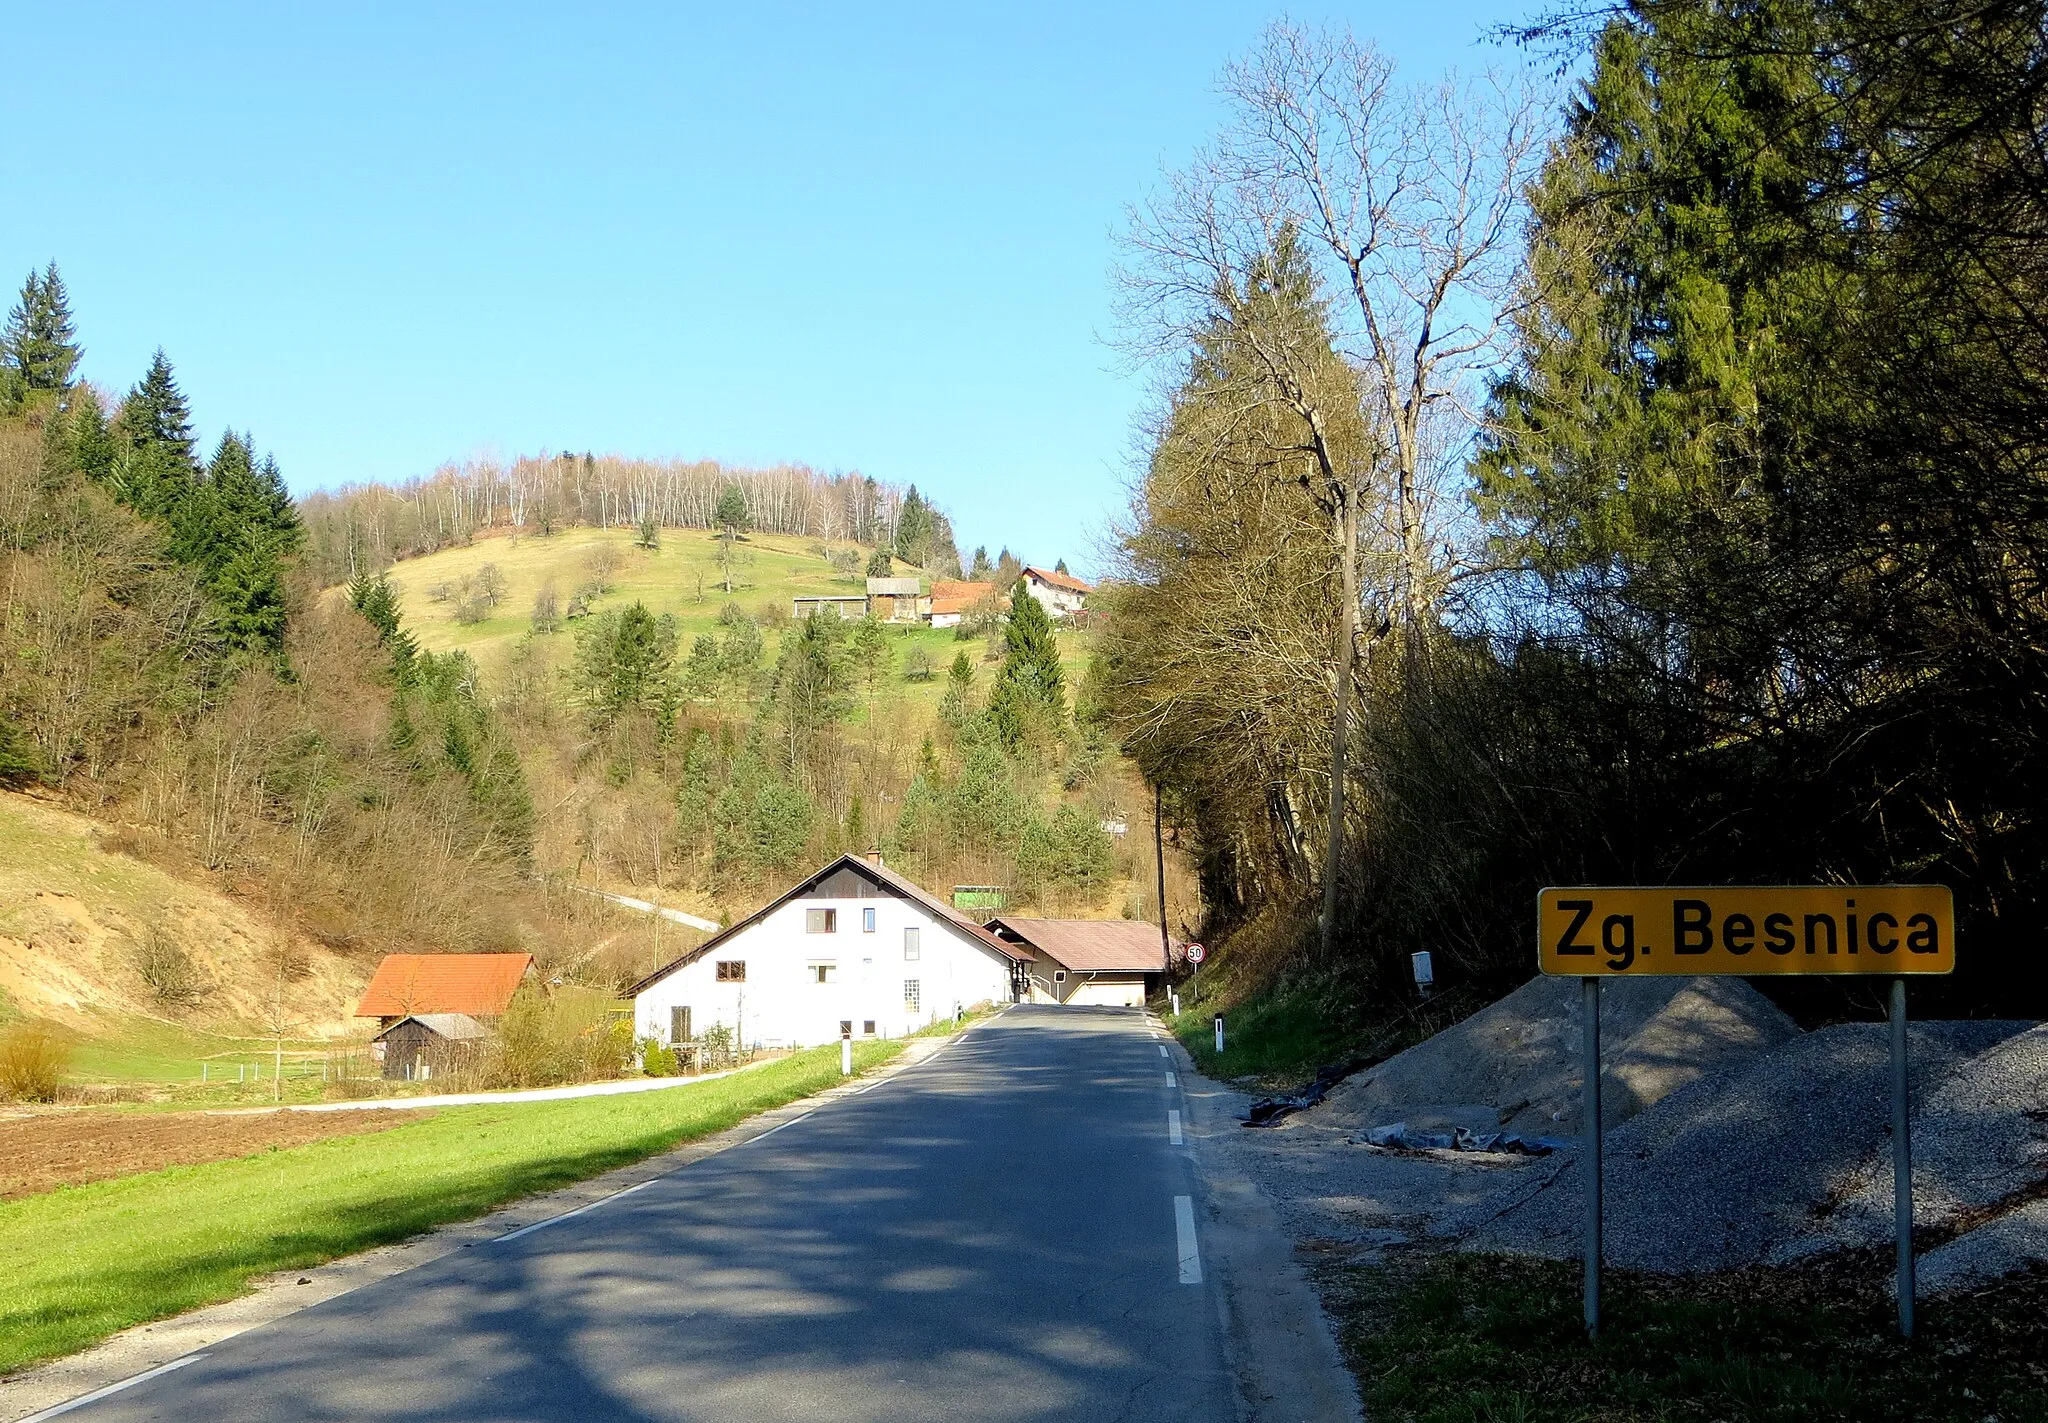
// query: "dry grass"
[[32, 1063]]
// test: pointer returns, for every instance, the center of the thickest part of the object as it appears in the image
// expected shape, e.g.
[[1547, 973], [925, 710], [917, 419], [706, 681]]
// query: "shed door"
[[679, 1025]]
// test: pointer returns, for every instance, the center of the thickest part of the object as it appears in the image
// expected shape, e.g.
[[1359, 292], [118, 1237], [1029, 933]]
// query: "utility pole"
[[1159, 862]]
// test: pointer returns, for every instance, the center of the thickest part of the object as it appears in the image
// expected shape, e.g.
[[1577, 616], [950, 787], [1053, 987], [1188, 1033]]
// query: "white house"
[[855, 947], [1062, 593]]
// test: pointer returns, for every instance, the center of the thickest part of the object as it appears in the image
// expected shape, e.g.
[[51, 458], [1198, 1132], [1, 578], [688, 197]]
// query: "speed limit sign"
[[1196, 953]]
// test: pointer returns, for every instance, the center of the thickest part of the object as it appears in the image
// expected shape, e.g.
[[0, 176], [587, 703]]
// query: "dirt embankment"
[[40, 1153]]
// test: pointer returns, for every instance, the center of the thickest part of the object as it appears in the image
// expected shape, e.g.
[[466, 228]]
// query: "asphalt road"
[[1002, 1232]]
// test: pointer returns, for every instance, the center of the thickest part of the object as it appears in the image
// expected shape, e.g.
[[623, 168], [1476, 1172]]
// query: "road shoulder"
[[149, 1346], [1281, 1346]]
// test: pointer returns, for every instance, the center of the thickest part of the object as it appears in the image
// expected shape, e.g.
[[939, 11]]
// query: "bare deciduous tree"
[[1341, 211]]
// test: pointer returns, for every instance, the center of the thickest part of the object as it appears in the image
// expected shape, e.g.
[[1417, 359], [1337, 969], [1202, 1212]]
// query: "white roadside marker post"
[[1589, 1102], [1902, 1160], [846, 1054], [1219, 1035]]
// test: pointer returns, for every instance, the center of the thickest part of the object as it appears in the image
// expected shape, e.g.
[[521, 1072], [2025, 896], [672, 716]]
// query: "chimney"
[[874, 857]]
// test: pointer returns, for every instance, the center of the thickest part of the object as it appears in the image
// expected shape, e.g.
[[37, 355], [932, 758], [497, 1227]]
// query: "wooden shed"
[[422, 1046]]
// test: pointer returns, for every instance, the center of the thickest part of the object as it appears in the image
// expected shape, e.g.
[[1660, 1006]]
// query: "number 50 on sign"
[[1748, 930]]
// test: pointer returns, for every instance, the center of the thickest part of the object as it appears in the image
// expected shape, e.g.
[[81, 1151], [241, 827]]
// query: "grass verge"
[[1452, 1338], [81, 1263]]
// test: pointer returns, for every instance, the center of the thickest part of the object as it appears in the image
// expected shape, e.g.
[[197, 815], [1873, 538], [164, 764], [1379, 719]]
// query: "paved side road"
[[1008, 1231]]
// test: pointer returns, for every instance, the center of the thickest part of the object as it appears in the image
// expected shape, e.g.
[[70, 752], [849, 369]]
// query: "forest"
[[232, 683], [1646, 487]]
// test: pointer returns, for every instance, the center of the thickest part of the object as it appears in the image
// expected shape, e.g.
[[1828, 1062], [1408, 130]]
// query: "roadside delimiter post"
[[846, 1054], [1902, 1159], [1219, 1035], [1590, 1167]]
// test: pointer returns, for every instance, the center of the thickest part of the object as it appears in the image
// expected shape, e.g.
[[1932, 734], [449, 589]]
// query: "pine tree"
[[39, 343], [375, 600], [155, 468], [1030, 689], [914, 530], [982, 569], [881, 566]]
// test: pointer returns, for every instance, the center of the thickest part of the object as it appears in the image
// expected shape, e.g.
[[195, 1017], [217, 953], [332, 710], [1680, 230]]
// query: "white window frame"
[[867, 921]]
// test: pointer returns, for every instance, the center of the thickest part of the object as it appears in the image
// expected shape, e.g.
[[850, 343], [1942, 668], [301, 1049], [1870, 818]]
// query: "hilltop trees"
[[39, 349]]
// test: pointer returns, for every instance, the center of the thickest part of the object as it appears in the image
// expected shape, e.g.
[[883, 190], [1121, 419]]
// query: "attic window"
[[867, 921], [732, 970], [821, 921]]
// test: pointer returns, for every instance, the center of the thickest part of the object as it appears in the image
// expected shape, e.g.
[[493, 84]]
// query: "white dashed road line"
[[1171, 1080], [112, 1388], [1162, 1049], [1173, 1128], [1184, 1231], [571, 1215]]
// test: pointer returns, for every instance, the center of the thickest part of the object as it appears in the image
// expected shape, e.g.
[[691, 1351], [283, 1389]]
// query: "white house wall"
[[781, 1003]]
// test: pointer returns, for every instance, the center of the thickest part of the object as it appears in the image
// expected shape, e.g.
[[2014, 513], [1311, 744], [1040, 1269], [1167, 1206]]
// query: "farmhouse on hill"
[[854, 948], [430, 1007], [1062, 593], [953, 600], [1115, 963]]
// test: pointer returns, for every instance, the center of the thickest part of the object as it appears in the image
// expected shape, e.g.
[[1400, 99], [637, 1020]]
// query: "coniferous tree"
[[39, 344], [982, 569], [1030, 690], [156, 466], [914, 529]]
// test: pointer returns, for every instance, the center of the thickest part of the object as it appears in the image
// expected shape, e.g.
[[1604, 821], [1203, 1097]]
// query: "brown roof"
[[480, 984], [955, 596], [882, 875], [1059, 579], [1090, 945]]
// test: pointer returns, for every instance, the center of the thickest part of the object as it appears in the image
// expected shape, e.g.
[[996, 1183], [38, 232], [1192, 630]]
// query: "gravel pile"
[[1515, 1065], [1735, 1168]]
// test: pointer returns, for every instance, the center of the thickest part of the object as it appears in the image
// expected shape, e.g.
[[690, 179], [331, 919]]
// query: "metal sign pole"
[[1589, 1008], [1902, 1160]]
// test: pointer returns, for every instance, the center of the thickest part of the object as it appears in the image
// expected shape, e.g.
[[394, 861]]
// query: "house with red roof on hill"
[[1061, 592]]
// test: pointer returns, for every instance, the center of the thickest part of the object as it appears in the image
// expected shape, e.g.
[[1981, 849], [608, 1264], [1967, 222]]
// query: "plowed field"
[[41, 1153]]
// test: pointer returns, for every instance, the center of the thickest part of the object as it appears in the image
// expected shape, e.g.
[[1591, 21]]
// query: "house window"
[[913, 942], [867, 1028], [732, 970], [679, 1025], [1059, 976], [821, 921], [846, 1027], [867, 921], [822, 972], [913, 995]]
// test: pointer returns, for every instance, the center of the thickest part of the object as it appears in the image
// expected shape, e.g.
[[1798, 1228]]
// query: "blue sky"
[[875, 237]]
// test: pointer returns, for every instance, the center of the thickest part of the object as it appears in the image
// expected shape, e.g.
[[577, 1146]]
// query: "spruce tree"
[[1030, 689], [914, 529], [39, 343], [156, 466], [982, 569]]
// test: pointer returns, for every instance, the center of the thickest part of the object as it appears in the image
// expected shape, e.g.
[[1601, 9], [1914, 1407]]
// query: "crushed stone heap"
[[1515, 1065]]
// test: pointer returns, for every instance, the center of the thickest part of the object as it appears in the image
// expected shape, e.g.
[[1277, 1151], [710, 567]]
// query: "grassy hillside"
[[682, 578]]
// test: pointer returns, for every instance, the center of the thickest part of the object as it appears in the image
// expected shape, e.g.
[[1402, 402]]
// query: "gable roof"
[[456, 1027], [1058, 579], [1090, 945], [480, 984], [958, 596], [882, 877]]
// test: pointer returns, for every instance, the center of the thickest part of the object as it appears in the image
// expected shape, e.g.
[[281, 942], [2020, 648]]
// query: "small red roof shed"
[[481, 985]]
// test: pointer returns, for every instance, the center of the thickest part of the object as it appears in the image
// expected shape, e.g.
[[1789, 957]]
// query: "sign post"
[[1589, 1108], [1892, 930], [1196, 953]]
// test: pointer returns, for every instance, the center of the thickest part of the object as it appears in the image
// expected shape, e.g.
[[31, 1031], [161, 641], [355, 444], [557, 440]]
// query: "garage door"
[[1111, 993]]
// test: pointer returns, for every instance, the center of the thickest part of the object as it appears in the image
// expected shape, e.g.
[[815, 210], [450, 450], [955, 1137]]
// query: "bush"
[[546, 1039], [32, 1062], [166, 968], [657, 1061]]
